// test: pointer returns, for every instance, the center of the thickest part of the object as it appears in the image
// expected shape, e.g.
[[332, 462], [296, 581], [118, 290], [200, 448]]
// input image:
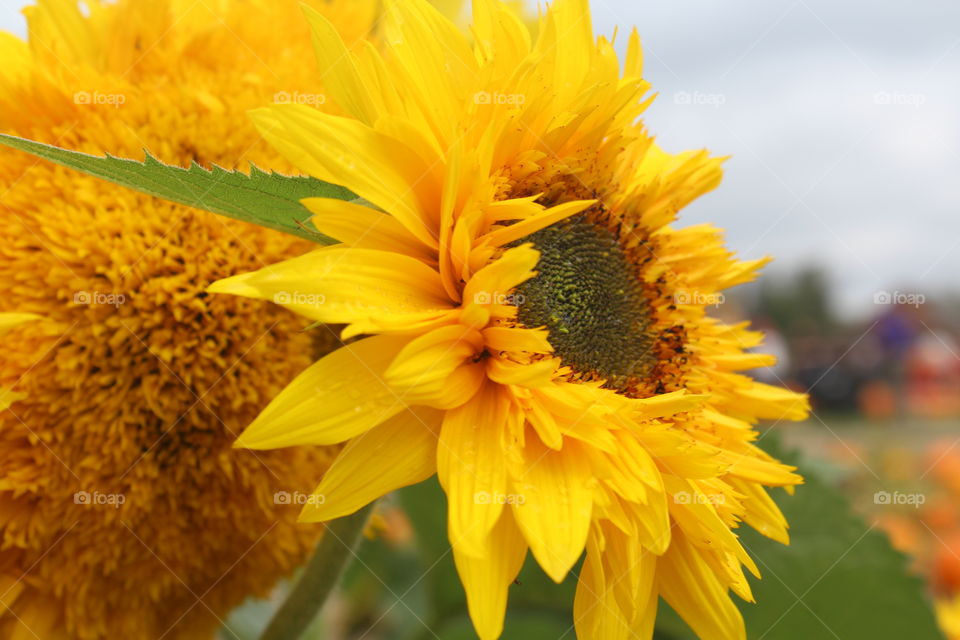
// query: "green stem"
[[322, 573]]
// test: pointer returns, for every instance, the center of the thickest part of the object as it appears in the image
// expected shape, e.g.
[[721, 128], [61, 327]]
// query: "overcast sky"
[[843, 120]]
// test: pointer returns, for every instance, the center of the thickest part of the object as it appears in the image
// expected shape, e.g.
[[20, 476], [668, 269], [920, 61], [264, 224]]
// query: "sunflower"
[[124, 512], [523, 320]]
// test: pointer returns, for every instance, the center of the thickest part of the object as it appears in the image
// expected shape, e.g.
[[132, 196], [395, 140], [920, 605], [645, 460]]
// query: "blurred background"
[[842, 120]]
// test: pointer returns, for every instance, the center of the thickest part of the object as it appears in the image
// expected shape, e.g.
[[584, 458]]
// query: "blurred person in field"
[[897, 329]]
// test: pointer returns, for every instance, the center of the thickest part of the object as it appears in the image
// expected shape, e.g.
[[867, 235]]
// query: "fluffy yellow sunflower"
[[523, 320], [124, 512]]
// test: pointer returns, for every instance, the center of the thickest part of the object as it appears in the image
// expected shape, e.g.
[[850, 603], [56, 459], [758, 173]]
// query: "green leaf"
[[838, 578], [270, 199]]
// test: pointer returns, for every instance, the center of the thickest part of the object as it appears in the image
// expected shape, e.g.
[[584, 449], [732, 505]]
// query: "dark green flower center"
[[588, 295]]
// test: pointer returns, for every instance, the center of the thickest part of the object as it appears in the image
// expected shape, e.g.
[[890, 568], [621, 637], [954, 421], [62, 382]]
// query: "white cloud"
[[853, 107]]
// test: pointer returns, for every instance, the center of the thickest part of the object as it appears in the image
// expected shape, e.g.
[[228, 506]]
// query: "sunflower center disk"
[[588, 295]]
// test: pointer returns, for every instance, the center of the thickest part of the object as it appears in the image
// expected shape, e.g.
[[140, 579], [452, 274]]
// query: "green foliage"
[[270, 200], [838, 578]]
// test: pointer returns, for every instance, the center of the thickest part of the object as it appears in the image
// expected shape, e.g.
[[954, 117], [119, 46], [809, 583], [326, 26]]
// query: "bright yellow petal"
[[763, 514], [59, 28], [376, 167], [693, 591], [435, 60], [338, 397], [338, 67], [766, 401], [505, 235], [487, 578], [361, 227], [517, 339], [554, 504], [536, 374], [502, 39], [396, 453], [492, 284], [633, 64], [666, 404], [472, 470], [615, 596], [423, 371], [16, 60], [342, 285]]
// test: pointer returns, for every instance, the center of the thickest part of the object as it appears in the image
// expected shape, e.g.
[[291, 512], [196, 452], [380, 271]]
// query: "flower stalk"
[[319, 577]]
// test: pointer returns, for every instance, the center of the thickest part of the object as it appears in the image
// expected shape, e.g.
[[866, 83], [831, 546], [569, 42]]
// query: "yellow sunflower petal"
[[341, 77], [694, 592], [554, 504], [766, 401], [59, 27], [615, 597], [434, 59], [472, 469], [343, 285], [487, 577], [505, 235], [494, 282], [535, 374], [404, 447], [502, 38], [16, 56], [517, 339], [364, 228], [340, 396], [373, 165], [421, 373], [666, 404]]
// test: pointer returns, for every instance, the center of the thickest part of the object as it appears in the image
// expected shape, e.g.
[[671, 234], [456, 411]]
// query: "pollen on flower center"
[[588, 295]]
